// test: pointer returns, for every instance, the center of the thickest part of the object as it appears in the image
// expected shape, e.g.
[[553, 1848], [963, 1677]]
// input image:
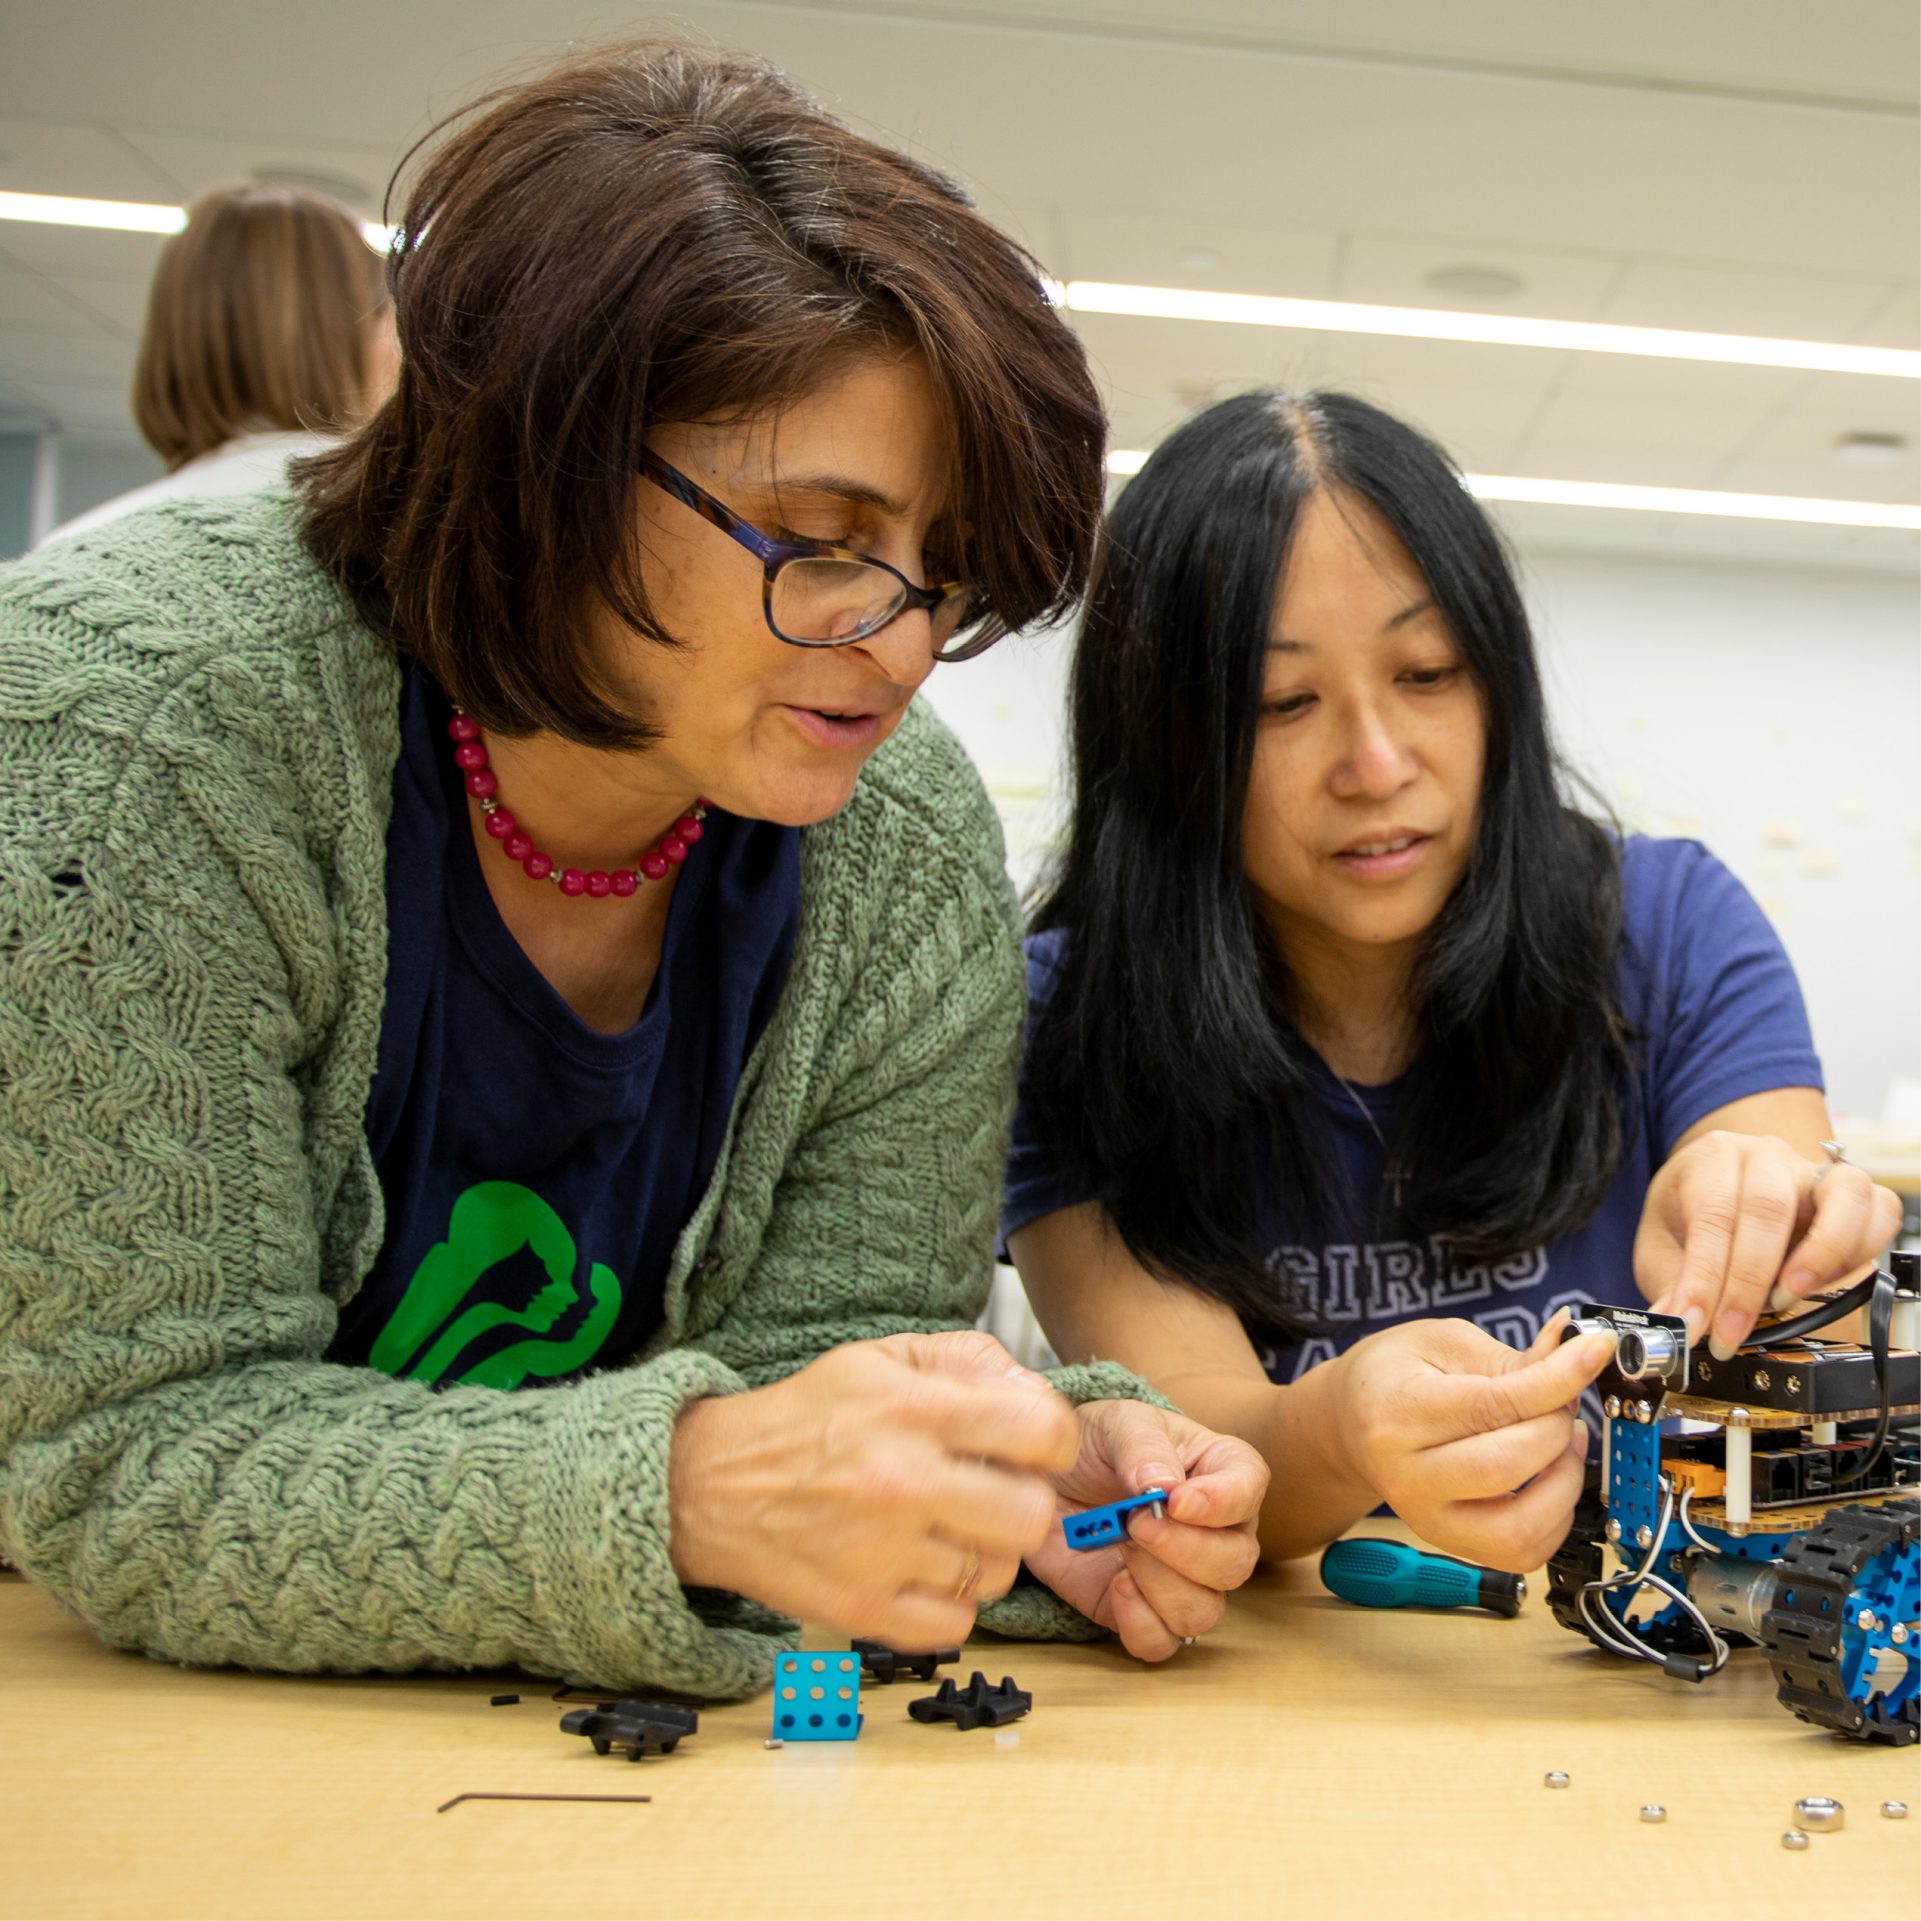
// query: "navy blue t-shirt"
[[537, 1173], [1702, 979]]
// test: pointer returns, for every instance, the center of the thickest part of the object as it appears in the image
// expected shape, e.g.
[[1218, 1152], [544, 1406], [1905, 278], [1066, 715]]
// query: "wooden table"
[[1307, 1759]]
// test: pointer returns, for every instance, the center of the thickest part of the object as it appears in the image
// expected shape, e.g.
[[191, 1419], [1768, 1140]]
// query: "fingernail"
[[1193, 1502], [1697, 1321], [1027, 1377], [1124, 1588], [1726, 1341], [1791, 1287], [1155, 1476], [1580, 1428]]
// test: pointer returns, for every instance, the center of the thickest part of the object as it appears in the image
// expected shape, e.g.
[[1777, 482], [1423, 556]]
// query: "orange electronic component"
[[1703, 1477]]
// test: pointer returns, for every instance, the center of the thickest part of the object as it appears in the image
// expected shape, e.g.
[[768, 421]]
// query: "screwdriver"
[[1390, 1574]]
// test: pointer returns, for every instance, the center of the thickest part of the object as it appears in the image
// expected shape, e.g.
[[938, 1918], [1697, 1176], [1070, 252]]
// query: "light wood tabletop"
[[1307, 1759]]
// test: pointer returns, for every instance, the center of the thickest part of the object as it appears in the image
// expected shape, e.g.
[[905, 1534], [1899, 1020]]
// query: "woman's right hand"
[[885, 1489], [1473, 1443]]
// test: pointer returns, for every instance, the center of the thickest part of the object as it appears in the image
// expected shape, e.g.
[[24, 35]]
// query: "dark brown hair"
[[654, 233], [258, 317]]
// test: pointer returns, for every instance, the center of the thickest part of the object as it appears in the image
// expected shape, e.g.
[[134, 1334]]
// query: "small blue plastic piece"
[[817, 1695], [1106, 1526]]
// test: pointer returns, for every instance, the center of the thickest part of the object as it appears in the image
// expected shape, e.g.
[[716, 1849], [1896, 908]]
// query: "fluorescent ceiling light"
[[1652, 500], [128, 216], [1695, 500], [124, 216], [1500, 330]]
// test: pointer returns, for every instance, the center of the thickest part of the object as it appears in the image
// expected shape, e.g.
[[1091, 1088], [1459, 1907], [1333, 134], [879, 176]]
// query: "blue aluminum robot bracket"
[[1634, 1474], [817, 1695], [1106, 1526]]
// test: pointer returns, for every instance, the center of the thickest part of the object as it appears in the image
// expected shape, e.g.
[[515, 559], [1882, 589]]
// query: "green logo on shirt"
[[491, 1223]]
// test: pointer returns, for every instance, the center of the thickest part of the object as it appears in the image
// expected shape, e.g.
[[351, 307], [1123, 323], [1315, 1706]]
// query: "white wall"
[[1773, 712]]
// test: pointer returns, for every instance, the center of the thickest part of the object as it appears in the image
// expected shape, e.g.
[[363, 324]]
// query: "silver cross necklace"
[[1392, 1172]]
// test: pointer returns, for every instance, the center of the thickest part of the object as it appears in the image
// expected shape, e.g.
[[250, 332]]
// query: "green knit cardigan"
[[197, 744]]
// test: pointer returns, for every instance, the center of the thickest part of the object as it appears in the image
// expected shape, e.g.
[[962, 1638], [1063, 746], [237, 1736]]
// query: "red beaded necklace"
[[470, 756]]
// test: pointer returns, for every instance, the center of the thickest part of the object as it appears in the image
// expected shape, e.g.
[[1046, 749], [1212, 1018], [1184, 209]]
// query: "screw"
[[1643, 1412], [1865, 1620], [1653, 1813], [1554, 1778], [1611, 1407], [1613, 1529], [1703, 1371], [1793, 1384], [1895, 1810], [1762, 1379], [1676, 1565], [1643, 1536], [776, 1742], [1820, 1814], [1794, 1838], [1898, 1634]]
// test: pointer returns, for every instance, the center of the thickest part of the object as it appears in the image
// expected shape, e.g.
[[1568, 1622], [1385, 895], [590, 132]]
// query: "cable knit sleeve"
[[178, 1464]]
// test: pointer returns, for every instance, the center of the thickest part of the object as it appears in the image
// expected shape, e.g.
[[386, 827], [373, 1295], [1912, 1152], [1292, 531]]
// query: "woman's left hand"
[[1735, 1223], [1169, 1581]]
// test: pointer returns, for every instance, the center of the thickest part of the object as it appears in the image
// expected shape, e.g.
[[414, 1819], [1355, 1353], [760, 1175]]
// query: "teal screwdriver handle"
[[1390, 1574]]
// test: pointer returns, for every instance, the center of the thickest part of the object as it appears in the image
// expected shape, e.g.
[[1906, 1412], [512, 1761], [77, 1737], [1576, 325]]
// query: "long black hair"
[[1165, 1070]]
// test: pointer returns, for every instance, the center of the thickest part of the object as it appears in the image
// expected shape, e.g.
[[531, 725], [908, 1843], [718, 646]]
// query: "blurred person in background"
[[269, 333]]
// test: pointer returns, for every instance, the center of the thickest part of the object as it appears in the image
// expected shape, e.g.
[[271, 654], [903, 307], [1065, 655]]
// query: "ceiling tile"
[[85, 252], [1739, 300], [1227, 255], [1796, 451], [357, 175], [1393, 268], [1659, 423], [30, 304], [48, 156]]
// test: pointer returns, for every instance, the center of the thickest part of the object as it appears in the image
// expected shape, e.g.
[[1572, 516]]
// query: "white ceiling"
[[1747, 166]]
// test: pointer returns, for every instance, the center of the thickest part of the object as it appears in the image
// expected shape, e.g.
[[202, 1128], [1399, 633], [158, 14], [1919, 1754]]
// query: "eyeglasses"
[[817, 595]]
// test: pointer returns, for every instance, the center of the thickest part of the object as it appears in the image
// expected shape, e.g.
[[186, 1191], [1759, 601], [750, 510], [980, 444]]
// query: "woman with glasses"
[[1358, 1054], [507, 1011]]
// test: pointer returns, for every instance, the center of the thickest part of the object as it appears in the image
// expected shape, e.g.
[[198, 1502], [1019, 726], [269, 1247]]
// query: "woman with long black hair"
[[1357, 1052]]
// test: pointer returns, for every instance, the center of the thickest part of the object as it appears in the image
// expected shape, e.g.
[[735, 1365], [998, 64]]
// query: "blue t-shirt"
[[1705, 984], [537, 1173]]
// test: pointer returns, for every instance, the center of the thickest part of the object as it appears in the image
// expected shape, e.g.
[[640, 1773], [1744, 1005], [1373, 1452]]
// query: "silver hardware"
[[1898, 1634], [1895, 1810], [1611, 1407], [1762, 1379], [1794, 1838], [1820, 1814], [1554, 1778], [1792, 1384], [1613, 1529], [1865, 1621], [776, 1742], [1705, 1370], [1644, 1536], [1653, 1813], [1643, 1412]]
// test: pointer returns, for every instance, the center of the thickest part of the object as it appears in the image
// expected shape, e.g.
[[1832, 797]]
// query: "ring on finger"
[[970, 1577]]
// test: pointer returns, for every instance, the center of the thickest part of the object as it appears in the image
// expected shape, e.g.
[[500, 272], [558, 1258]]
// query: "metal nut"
[[1895, 1810], [1820, 1814], [1653, 1813], [1794, 1838], [1554, 1778]]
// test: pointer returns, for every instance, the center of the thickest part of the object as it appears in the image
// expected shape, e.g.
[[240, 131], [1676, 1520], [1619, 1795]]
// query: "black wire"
[[1880, 1329], [1824, 1315]]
